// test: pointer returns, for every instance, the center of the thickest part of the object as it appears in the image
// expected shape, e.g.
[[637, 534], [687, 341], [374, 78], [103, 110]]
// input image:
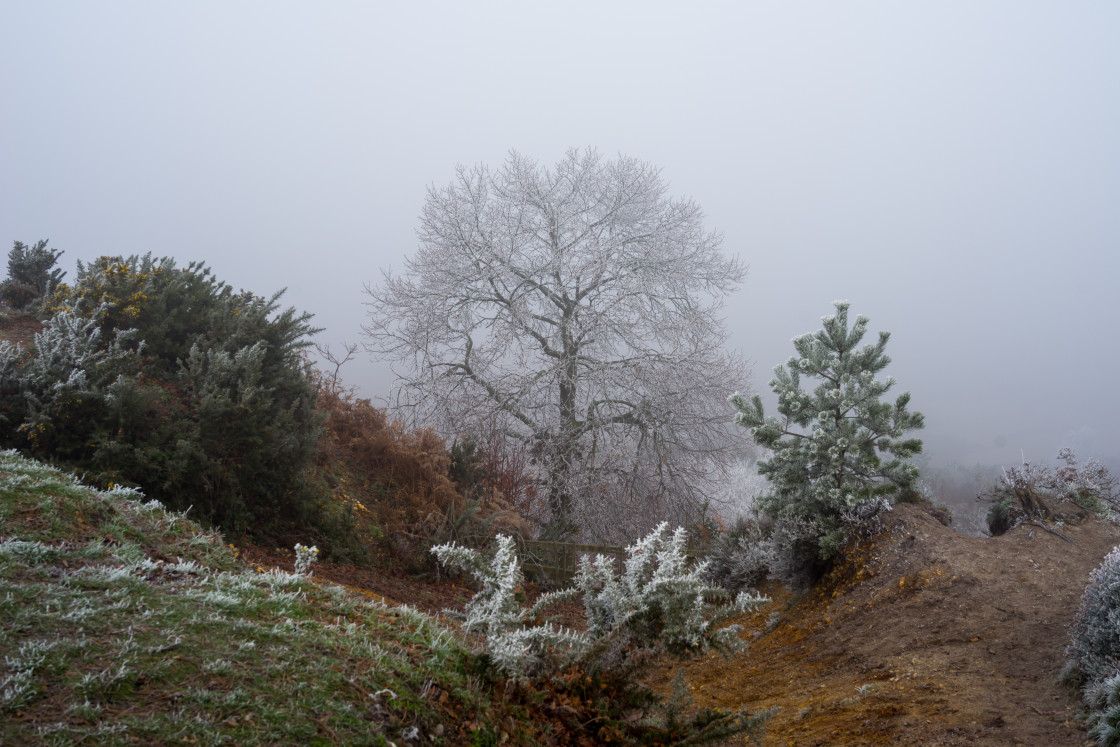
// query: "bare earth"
[[943, 639]]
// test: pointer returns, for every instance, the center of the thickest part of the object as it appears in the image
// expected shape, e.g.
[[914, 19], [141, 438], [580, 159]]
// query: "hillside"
[[126, 624], [122, 620], [925, 636]]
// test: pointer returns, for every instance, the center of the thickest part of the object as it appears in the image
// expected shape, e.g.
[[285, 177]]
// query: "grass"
[[125, 623]]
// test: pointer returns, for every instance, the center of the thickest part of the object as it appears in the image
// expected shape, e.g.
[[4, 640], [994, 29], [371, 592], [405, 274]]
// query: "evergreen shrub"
[[31, 274], [201, 396], [657, 604], [1094, 649]]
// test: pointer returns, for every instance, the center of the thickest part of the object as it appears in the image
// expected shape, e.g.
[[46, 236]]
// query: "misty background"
[[951, 169]]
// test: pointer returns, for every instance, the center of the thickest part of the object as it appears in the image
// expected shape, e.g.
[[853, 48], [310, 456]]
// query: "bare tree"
[[324, 351], [580, 307]]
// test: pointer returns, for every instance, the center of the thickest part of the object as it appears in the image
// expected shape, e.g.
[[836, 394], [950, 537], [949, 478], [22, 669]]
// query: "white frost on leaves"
[[657, 591]]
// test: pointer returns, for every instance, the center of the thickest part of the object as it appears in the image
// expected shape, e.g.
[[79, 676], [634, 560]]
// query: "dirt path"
[[942, 639]]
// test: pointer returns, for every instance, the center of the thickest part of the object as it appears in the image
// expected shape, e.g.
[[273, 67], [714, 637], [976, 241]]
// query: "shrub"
[[1031, 491], [62, 399], [214, 410], [1089, 484], [741, 557], [401, 480], [1095, 635], [1094, 649], [518, 648], [658, 601], [31, 274], [491, 466], [656, 604], [1103, 700]]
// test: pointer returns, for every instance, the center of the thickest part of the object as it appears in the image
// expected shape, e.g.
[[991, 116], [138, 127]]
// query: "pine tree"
[[838, 451], [31, 274]]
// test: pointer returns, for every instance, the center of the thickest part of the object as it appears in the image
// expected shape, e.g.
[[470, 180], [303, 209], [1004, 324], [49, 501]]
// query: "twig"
[[1054, 532]]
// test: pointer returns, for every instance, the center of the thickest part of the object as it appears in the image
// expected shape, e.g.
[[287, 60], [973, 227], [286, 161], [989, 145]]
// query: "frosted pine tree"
[[839, 453]]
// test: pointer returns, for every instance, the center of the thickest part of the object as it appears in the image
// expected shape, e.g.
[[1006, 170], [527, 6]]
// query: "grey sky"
[[952, 169]]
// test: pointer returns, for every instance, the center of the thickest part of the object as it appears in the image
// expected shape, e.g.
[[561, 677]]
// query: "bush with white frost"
[[657, 603], [1035, 492], [514, 642], [305, 557], [49, 399], [741, 557], [1094, 649]]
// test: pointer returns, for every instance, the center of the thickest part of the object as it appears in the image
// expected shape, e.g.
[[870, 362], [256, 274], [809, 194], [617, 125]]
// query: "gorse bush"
[[516, 646], [839, 452], [1094, 649], [656, 604], [64, 397], [31, 274], [659, 601], [162, 377], [1031, 491]]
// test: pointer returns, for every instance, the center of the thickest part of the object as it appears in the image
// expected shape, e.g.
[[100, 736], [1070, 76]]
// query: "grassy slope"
[[124, 623]]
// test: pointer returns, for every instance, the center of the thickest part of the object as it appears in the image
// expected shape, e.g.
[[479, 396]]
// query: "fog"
[[951, 169]]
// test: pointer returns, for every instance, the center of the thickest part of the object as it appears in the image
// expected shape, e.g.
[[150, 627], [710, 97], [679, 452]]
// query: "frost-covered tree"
[[31, 273], [579, 308], [839, 452]]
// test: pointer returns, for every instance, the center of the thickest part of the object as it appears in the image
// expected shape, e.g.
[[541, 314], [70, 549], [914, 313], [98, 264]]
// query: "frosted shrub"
[[741, 557], [31, 274], [656, 603], [305, 557], [1094, 650], [1031, 491], [1103, 699], [56, 399], [517, 648], [1095, 636], [1089, 484]]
